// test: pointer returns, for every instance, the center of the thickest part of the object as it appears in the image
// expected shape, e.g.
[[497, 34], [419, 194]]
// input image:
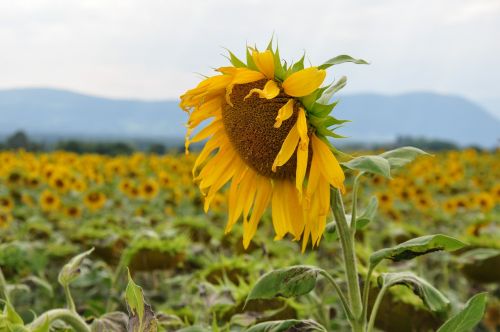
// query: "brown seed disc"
[[250, 126]]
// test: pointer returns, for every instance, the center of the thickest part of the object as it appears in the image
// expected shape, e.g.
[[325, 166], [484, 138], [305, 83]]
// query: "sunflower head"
[[268, 136]]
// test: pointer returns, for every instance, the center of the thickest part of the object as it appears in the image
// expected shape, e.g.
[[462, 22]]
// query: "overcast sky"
[[152, 49]]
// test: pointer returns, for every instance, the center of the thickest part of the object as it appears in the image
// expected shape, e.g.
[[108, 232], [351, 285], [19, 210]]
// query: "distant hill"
[[375, 118]]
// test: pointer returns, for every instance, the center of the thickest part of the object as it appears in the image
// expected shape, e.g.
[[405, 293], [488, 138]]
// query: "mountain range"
[[375, 118]]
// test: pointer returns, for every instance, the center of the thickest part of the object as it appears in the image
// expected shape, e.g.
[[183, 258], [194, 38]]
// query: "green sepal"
[[279, 70], [235, 61], [342, 59], [322, 110], [250, 62]]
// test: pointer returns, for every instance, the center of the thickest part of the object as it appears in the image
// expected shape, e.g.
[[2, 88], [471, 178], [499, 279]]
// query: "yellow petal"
[[287, 149], [284, 113], [328, 164], [264, 62], [262, 198], [242, 76], [304, 82], [270, 90]]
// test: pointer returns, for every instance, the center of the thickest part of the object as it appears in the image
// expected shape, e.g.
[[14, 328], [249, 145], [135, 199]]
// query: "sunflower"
[[49, 201], [149, 189], [6, 203], [94, 200], [267, 136]]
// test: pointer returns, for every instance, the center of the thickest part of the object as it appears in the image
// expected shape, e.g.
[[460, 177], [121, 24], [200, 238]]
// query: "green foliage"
[[370, 164], [417, 247], [287, 282], [288, 325], [468, 317], [432, 298], [402, 156], [341, 59], [135, 300], [71, 270]]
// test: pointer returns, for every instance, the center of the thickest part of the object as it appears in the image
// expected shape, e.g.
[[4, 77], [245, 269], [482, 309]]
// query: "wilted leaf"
[[416, 247], [370, 164], [401, 156], [71, 270], [328, 93], [287, 325], [432, 298], [468, 317], [113, 322], [288, 282], [148, 323], [142, 318], [342, 59]]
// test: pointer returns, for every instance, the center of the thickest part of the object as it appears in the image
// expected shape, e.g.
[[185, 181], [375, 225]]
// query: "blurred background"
[[76, 74]]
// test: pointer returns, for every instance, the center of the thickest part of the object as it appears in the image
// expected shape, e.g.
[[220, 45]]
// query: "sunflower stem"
[[355, 188], [347, 243], [69, 317]]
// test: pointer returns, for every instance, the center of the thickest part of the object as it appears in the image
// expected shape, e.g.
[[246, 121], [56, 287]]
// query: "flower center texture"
[[249, 124]]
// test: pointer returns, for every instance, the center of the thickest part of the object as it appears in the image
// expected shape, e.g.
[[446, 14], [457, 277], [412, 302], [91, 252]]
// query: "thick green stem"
[[366, 292], [347, 242], [69, 317], [345, 303], [69, 298], [373, 315]]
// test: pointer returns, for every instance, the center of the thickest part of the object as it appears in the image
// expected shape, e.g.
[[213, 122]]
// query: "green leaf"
[[468, 317], [432, 298], [401, 156], [11, 315], [287, 325], [279, 70], [135, 300], [299, 65], [416, 247], [71, 270], [45, 327], [328, 93], [368, 214], [370, 164], [288, 282], [250, 62], [342, 59], [321, 110]]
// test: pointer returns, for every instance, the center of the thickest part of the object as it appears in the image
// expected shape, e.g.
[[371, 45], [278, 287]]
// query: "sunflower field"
[[143, 214]]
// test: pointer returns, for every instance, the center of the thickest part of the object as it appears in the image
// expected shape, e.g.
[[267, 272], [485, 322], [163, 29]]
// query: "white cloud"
[[151, 49]]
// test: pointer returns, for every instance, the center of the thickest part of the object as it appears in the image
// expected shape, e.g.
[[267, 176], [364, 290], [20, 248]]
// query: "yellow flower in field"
[[49, 201], [6, 204], [5, 219], [72, 211], [385, 200], [450, 206], [59, 182], [125, 186], [269, 128], [495, 192], [94, 200], [149, 189], [484, 201]]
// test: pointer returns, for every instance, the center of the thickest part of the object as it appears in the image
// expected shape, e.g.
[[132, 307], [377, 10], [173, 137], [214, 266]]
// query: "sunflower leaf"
[[71, 270], [432, 298], [368, 214], [342, 59], [288, 282], [287, 325], [328, 93], [468, 317], [417, 247], [370, 164], [401, 156]]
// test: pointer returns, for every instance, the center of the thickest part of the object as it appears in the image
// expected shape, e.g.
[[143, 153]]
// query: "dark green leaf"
[[432, 298], [287, 282], [370, 164], [342, 59], [287, 325], [468, 317], [416, 247], [401, 156]]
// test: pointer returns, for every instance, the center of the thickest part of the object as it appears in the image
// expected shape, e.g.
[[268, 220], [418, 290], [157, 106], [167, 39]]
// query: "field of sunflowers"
[[144, 213]]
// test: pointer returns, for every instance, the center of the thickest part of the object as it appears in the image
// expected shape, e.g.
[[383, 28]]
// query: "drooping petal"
[[269, 91], [302, 151], [328, 164], [304, 82], [242, 76], [264, 62], [287, 149], [262, 198], [284, 113]]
